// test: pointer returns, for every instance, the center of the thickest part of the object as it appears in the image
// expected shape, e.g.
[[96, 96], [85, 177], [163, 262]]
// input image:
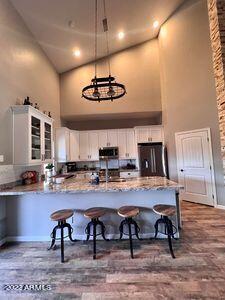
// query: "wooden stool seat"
[[128, 211], [95, 212], [165, 210], [61, 215]]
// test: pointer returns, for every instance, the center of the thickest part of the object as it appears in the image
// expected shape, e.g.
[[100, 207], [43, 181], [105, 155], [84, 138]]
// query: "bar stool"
[[94, 214], [61, 216], [128, 212], [166, 211]]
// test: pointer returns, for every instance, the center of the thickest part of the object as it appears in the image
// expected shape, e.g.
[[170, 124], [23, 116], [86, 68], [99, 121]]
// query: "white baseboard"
[[220, 206]]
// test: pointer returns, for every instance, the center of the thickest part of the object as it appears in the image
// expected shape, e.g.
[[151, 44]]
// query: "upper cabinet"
[[72, 145], [108, 138], [89, 146], [34, 131], [149, 134], [67, 145], [126, 143]]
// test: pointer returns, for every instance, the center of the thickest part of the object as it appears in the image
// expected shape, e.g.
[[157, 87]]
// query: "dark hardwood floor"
[[198, 272]]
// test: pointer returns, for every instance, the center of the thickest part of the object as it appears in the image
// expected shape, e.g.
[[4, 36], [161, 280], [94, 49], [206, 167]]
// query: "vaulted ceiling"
[[62, 26]]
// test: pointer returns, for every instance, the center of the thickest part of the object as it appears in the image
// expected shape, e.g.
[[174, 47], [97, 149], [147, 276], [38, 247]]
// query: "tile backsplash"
[[11, 173]]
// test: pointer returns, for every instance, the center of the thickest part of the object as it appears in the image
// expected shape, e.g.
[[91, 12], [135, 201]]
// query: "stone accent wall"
[[216, 9]]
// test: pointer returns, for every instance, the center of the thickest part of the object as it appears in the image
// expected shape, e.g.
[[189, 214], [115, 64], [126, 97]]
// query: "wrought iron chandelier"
[[103, 88]]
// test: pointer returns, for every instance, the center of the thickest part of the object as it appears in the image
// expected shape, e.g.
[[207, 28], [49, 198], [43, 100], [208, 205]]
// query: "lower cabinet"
[[129, 174]]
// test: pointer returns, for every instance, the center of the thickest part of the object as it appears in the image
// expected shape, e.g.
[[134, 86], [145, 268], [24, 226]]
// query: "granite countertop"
[[74, 185]]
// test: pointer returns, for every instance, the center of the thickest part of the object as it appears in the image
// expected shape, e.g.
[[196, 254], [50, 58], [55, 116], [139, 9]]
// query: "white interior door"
[[195, 166]]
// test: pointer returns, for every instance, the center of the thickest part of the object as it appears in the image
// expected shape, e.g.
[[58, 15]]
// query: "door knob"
[[181, 170]]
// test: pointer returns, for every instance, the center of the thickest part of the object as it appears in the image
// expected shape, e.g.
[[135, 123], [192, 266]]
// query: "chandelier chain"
[[96, 29], [107, 39]]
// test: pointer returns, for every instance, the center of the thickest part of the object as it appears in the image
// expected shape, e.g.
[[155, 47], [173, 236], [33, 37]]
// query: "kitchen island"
[[28, 207]]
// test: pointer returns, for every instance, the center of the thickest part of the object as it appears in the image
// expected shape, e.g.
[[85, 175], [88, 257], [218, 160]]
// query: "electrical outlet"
[[1, 158]]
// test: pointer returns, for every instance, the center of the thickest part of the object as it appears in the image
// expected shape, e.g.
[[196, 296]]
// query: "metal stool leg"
[[62, 244], [102, 229], [136, 229], [157, 228], [121, 229], [53, 235], [169, 227], [130, 238], [94, 239], [70, 230], [88, 231]]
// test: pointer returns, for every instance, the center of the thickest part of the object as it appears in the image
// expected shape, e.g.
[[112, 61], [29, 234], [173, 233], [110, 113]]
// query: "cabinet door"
[[112, 138], [36, 139], [122, 135], [47, 141], [74, 145], [93, 145], [131, 144], [103, 138], [143, 135], [156, 134], [62, 144], [84, 145]]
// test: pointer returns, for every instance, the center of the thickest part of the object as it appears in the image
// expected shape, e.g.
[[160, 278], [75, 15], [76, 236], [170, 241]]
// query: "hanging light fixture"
[[103, 88]]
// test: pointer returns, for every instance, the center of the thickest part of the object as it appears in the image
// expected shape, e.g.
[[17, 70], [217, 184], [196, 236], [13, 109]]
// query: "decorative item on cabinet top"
[[34, 130], [73, 145]]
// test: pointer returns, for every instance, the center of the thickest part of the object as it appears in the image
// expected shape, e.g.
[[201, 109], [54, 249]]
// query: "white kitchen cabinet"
[[129, 174], [108, 138], [149, 134], [84, 145], [62, 144], [103, 138], [112, 140], [89, 148], [126, 143], [33, 131], [74, 145], [93, 145]]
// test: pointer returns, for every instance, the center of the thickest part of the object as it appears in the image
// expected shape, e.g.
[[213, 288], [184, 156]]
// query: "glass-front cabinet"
[[32, 136]]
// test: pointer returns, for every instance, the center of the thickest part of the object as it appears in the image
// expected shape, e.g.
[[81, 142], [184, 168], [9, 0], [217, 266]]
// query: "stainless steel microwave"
[[109, 153]]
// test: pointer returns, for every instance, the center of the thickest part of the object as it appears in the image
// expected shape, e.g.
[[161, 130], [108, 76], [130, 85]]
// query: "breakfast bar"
[[29, 207]]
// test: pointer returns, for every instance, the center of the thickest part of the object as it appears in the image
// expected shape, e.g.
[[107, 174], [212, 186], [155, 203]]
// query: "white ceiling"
[[48, 21]]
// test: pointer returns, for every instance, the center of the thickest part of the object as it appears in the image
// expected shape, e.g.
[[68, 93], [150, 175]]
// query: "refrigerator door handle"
[[146, 164]]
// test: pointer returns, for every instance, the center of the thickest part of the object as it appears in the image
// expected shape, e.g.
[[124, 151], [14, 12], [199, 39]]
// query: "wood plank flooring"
[[198, 272]]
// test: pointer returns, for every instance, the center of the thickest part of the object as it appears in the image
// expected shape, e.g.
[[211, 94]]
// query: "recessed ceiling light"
[[121, 35], [76, 53], [156, 24]]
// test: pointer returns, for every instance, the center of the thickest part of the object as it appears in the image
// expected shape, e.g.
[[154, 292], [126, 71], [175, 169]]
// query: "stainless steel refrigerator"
[[153, 159]]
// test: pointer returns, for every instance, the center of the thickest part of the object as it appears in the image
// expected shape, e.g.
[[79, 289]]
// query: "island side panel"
[[28, 215]]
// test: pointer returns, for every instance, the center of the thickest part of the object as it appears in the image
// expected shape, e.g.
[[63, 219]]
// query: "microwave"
[[109, 153]]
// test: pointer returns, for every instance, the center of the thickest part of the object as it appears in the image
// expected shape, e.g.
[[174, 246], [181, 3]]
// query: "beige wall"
[[24, 70], [187, 83], [136, 67]]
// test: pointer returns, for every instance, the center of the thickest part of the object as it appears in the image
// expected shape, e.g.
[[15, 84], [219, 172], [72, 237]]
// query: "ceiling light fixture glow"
[[121, 35], [156, 24], [76, 53]]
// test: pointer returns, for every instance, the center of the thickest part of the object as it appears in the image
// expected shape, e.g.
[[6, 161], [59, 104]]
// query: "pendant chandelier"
[[103, 88]]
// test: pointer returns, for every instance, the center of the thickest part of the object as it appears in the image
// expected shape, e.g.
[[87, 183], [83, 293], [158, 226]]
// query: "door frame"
[[210, 157]]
